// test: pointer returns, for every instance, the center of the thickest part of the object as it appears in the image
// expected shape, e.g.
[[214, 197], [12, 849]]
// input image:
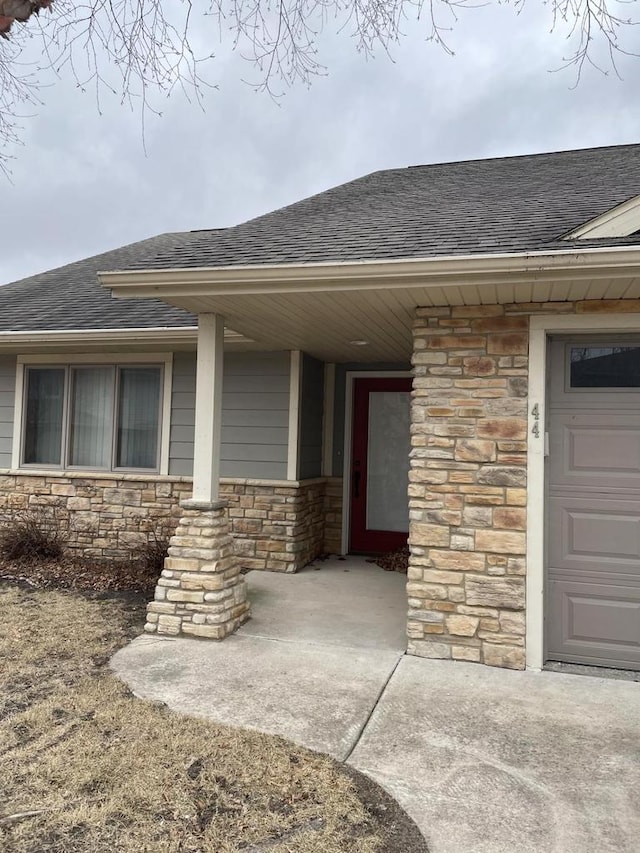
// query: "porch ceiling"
[[322, 309]]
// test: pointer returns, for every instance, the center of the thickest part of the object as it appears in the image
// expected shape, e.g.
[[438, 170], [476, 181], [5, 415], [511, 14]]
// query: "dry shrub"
[[149, 555], [35, 533]]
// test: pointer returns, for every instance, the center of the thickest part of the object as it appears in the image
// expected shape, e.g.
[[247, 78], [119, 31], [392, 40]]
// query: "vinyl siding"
[[311, 409], [255, 415], [7, 399]]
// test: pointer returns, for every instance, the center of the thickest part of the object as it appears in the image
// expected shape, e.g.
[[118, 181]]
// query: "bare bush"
[[149, 555], [36, 533]]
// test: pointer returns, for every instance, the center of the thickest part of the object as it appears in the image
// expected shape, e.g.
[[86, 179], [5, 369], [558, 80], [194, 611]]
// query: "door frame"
[[540, 329], [350, 376]]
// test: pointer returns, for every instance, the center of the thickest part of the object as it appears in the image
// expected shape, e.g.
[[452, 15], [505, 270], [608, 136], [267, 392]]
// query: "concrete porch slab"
[[489, 761], [337, 602], [310, 665]]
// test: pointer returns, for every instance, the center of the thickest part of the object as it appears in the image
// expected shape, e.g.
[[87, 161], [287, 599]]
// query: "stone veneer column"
[[201, 592], [467, 491]]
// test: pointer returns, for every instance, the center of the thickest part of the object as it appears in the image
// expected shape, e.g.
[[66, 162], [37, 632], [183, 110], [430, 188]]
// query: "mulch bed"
[[82, 575], [394, 561]]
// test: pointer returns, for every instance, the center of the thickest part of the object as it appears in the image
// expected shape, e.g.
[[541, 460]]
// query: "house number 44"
[[535, 414]]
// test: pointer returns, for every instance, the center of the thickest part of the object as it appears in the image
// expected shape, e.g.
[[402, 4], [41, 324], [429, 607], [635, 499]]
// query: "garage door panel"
[[594, 534], [593, 504], [593, 453], [588, 622]]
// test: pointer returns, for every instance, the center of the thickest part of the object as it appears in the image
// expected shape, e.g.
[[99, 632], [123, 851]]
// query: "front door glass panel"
[[388, 461], [380, 464]]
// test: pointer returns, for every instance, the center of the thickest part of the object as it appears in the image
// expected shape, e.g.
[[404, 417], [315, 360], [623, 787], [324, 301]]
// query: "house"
[[263, 386]]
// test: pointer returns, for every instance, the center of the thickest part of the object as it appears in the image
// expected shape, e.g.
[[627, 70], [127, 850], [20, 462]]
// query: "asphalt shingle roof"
[[71, 297], [508, 204]]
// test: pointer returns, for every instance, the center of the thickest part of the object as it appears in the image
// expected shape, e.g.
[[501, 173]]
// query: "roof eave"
[[453, 270]]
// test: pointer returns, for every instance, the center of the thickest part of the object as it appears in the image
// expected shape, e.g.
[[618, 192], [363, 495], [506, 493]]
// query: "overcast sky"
[[83, 184]]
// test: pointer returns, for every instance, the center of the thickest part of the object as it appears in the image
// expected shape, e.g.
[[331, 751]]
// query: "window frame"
[[161, 360]]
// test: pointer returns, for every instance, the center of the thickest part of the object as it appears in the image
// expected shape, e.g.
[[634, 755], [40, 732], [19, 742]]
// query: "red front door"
[[380, 464]]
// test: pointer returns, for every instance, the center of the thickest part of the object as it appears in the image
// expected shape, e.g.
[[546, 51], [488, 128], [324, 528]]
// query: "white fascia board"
[[620, 221], [165, 335], [572, 263], [101, 336]]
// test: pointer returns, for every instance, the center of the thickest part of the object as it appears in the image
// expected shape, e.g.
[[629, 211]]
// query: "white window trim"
[[350, 376], [620, 221], [162, 359], [540, 328]]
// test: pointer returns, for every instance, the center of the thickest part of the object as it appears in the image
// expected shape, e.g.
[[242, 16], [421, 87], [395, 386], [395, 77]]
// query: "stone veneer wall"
[[106, 516], [467, 484], [333, 516], [275, 525]]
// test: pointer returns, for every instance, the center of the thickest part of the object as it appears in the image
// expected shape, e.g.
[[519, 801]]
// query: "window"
[[604, 366], [101, 416]]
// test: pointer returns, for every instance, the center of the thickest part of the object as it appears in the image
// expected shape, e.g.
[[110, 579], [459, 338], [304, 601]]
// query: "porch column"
[[201, 592], [467, 484], [208, 415]]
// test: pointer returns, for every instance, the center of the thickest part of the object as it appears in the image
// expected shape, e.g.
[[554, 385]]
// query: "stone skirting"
[[105, 516], [276, 525], [333, 501]]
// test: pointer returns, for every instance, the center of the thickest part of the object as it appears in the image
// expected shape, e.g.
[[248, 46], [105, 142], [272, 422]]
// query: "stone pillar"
[[467, 485], [201, 592]]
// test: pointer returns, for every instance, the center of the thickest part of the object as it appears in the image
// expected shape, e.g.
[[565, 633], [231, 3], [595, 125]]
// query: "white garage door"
[[592, 613]]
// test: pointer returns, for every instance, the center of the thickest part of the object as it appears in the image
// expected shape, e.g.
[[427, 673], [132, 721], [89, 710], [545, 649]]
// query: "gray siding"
[[7, 398], [339, 406], [311, 409], [255, 415]]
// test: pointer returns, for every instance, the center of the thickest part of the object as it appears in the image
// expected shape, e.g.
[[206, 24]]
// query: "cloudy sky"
[[84, 183]]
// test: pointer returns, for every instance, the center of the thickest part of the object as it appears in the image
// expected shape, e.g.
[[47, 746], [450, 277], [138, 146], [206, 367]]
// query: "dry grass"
[[107, 772]]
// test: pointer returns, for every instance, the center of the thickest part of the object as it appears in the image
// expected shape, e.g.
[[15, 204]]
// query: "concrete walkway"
[[309, 665], [484, 760]]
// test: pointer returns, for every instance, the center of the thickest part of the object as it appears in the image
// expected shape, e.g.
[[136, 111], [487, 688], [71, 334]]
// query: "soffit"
[[324, 323]]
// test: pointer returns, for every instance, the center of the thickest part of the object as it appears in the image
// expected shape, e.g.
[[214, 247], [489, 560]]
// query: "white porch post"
[[201, 592], [208, 413]]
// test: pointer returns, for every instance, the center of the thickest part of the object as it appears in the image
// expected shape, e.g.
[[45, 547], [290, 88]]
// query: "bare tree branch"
[[139, 47]]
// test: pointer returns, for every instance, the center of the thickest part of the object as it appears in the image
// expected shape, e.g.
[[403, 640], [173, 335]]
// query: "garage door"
[[592, 612]]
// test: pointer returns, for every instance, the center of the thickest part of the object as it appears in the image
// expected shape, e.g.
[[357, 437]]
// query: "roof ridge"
[[515, 156], [405, 169]]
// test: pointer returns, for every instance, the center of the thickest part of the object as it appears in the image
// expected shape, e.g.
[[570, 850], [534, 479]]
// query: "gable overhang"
[[620, 221], [324, 308]]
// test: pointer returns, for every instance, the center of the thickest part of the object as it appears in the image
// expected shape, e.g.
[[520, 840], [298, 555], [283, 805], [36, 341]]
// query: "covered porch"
[[475, 330]]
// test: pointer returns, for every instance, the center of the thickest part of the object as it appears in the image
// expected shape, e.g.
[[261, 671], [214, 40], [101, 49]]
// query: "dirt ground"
[[88, 768]]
